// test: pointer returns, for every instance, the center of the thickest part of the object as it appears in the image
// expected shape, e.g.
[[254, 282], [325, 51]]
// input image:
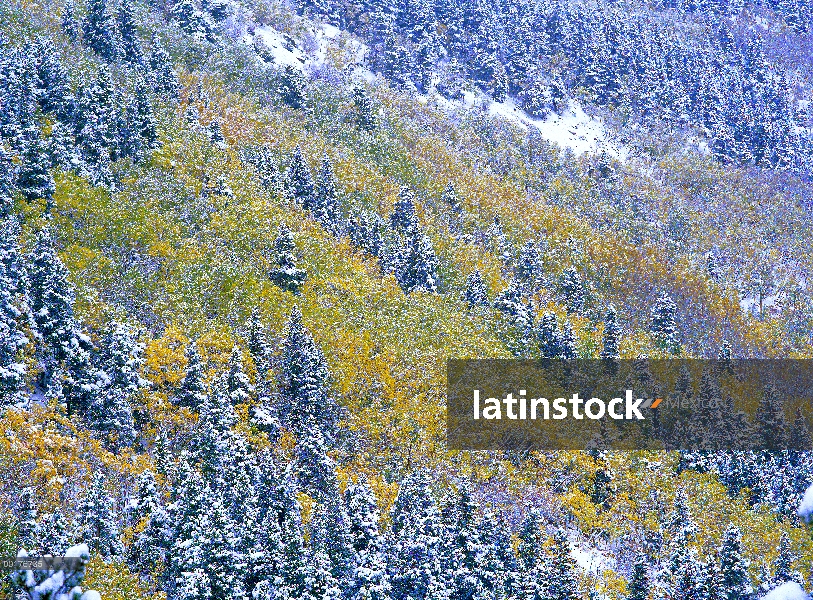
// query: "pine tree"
[[771, 426], [573, 290], [6, 183], [122, 358], [258, 345], [111, 416], [733, 566], [53, 534], [12, 341], [417, 264], [664, 325], [364, 516], [364, 115], [62, 584], [330, 534], [27, 521], [192, 392], [783, 565], [475, 293], [162, 78], [130, 45], [549, 337], [529, 265], [35, 181], [70, 25], [611, 335], [98, 521], [291, 88], [191, 19], [638, 588], [800, 438], [303, 383], [99, 30], [298, 180], [324, 204], [561, 583], [52, 301], [466, 549], [140, 134], [403, 218], [237, 384], [286, 274]]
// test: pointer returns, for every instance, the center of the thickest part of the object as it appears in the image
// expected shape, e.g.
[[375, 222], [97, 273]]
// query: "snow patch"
[[789, 590], [805, 509], [591, 560], [572, 129]]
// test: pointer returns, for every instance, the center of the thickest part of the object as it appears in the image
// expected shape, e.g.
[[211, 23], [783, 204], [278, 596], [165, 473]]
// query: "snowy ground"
[[591, 560], [787, 591]]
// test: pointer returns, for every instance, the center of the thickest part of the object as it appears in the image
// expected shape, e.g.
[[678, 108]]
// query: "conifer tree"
[[549, 337], [97, 520], [130, 45], [330, 534], [783, 565], [162, 78], [364, 516], [99, 30], [238, 386], [664, 325], [122, 358], [52, 301], [573, 290], [191, 19], [12, 341], [298, 180], [529, 265], [303, 383], [34, 180], [417, 263], [325, 204], [610, 337], [27, 521], [6, 183], [733, 566], [800, 437], [639, 582], [466, 548], [561, 583], [291, 87], [258, 345], [475, 293], [70, 25], [771, 426], [111, 416], [286, 274], [53, 534], [192, 392], [364, 116]]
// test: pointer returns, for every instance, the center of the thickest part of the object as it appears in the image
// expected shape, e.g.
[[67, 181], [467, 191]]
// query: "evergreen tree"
[[53, 534], [286, 274], [638, 588], [192, 392], [99, 30], [330, 534], [27, 521], [363, 515], [98, 521], [475, 292], [191, 19], [52, 301], [70, 25], [549, 336], [258, 345], [403, 218], [561, 583], [466, 549], [111, 416], [771, 426], [364, 116], [298, 180], [130, 44], [783, 565], [122, 358], [162, 78], [664, 325], [324, 204], [800, 437], [573, 290], [417, 264], [529, 265], [35, 180], [303, 383], [237, 384], [291, 87], [12, 341], [733, 566], [139, 133], [6, 183], [611, 335]]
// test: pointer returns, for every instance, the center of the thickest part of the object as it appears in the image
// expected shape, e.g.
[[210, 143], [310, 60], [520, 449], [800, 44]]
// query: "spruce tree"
[[70, 24], [298, 180], [303, 383], [162, 78], [99, 30], [549, 336], [610, 337], [111, 416], [122, 358], [529, 265], [783, 565], [52, 301], [800, 438], [403, 218], [638, 588], [417, 263], [6, 183], [237, 384], [12, 342], [291, 88], [561, 583], [258, 344], [364, 116], [286, 274], [733, 566], [192, 392], [771, 425], [573, 290], [664, 325], [475, 293], [130, 44], [27, 521], [97, 520], [34, 180], [325, 204]]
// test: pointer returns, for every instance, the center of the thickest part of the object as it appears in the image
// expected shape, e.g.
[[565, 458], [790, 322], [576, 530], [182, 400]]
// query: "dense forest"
[[239, 240]]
